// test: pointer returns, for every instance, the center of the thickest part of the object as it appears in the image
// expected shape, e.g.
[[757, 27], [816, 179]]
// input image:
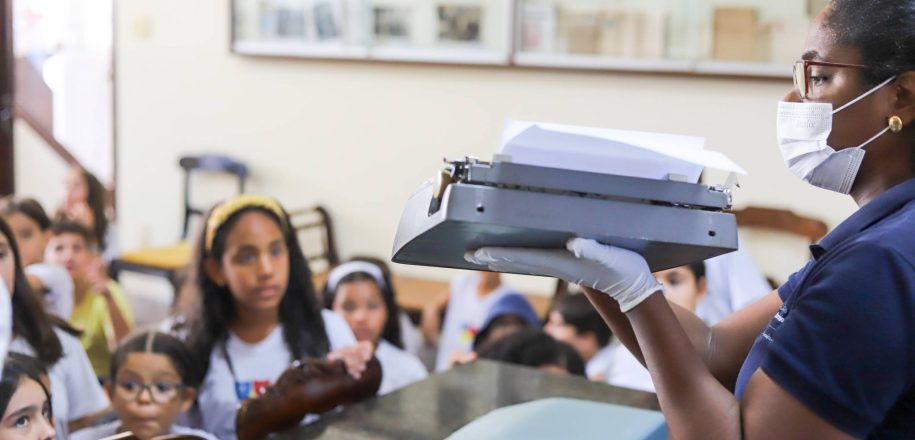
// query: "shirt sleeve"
[[794, 281], [844, 349], [338, 332], [84, 394], [59, 285]]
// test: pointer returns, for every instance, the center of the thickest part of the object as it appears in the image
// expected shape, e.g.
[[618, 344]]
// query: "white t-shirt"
[[626, 371], [734, 282], [110, 429], [257, 366], [464, 316], [399, 368], [600, 364], [75, 391], [6, 323], [59, 299]]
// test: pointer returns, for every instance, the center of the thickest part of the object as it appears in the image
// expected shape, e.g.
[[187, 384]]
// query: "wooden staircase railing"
[[34, 105]]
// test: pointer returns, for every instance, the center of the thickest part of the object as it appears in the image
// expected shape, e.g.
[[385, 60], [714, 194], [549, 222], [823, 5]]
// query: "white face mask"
[[803, 128]]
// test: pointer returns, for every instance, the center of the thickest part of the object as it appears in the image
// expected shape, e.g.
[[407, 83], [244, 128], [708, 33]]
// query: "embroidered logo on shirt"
[[251, 389], [769, 333]]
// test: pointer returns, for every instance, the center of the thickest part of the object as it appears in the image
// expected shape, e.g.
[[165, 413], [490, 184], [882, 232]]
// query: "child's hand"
[[80, 212], [97, 276], [458, 358], [355, 357]]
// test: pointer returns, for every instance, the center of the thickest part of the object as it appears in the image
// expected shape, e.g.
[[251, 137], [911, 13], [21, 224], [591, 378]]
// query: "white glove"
[[620, 273]]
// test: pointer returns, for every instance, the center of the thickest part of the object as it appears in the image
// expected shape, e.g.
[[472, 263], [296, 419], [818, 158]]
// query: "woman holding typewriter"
[[831, 353]]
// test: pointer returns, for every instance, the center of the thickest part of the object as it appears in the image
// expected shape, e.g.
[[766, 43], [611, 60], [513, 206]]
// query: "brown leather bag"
[[313, 387]]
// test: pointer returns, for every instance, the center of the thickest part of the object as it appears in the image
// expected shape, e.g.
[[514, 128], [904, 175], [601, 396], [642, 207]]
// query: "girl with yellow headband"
[[257, 311]]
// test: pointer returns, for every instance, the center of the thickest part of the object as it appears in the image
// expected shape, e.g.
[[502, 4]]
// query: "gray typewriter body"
[[473, 204]]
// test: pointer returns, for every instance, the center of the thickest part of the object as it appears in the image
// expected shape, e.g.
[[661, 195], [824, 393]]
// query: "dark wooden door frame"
[[7, 176]]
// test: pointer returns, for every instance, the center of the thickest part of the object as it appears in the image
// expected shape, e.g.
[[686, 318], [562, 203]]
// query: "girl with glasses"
[[153, 379]]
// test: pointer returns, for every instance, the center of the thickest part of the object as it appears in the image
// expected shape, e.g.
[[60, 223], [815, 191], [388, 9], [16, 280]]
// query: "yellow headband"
[[227, 209]]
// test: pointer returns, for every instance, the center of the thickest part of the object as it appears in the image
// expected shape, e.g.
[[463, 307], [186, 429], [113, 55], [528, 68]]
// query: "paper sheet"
[[606, 151]]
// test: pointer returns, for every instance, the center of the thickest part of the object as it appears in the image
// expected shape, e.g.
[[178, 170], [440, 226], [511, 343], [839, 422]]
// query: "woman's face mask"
[[803, 129]]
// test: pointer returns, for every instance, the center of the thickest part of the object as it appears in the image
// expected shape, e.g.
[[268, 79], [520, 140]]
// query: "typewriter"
[[472, 204]]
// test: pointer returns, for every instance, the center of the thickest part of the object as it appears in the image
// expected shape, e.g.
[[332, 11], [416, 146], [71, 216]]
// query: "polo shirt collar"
[[879, 208]]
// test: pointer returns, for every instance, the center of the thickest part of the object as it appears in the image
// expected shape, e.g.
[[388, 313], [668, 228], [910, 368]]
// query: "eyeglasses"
[[159, 392], [802, 74]]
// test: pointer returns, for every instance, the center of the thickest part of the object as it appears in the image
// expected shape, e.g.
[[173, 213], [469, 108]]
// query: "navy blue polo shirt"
[[843, 342]]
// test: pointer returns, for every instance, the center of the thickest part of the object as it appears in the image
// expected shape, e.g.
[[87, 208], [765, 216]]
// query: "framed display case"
[[759, 38], [438, 31]]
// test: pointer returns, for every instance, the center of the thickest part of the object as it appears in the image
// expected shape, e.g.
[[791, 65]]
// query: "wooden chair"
[[756, 220], [783, 221], [316, 235], [208, 163]]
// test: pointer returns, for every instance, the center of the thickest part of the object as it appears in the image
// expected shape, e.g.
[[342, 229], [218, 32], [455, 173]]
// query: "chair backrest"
[[208, 163], [316, 235], [778, 239]]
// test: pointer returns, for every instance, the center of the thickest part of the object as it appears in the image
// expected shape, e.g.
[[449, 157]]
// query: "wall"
[[40, 172], [359, 137]]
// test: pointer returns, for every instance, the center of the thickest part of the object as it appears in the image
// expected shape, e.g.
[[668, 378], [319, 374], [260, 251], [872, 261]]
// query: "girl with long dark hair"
[[255, 309]]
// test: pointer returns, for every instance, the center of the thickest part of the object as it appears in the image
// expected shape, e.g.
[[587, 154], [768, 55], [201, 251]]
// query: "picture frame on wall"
[[434, 31]]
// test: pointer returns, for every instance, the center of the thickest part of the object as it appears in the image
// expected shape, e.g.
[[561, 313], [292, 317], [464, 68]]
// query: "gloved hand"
[[620, 273]]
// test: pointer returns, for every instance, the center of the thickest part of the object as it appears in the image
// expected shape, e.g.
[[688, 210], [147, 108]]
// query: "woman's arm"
[[695, 403], [722, 348]]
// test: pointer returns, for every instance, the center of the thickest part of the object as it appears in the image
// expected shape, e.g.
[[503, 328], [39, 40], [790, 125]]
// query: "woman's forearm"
[[699, 334], [722, 348], [694, 402]]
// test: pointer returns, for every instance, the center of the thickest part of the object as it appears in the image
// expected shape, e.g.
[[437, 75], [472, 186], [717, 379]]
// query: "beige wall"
[[40, 172], [359, 137]]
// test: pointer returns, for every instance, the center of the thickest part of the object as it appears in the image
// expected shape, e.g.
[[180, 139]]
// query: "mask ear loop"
[[865, 95], [882, 132]]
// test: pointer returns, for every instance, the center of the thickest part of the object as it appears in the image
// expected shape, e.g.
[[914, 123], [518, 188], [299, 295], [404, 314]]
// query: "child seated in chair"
[[100, 310], [153, 379]]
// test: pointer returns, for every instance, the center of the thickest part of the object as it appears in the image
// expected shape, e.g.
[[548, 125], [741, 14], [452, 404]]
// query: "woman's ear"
[[187, 398], [904, 104], [214, 271]]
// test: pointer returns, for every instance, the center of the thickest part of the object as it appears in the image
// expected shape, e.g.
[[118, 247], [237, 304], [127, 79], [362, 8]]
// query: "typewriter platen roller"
[[472, 204]]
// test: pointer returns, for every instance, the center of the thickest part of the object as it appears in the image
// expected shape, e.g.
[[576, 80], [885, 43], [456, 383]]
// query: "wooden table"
[[412, 293]]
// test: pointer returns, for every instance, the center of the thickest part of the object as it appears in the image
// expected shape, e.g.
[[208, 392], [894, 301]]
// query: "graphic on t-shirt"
[[468, 333], [251, 389]]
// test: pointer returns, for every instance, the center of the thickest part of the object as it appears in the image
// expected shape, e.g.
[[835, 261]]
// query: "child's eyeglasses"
[[802, 74], [159, 392]]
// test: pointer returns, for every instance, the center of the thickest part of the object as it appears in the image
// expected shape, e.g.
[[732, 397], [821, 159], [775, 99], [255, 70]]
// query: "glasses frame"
[[804, 65], [148, 387]]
